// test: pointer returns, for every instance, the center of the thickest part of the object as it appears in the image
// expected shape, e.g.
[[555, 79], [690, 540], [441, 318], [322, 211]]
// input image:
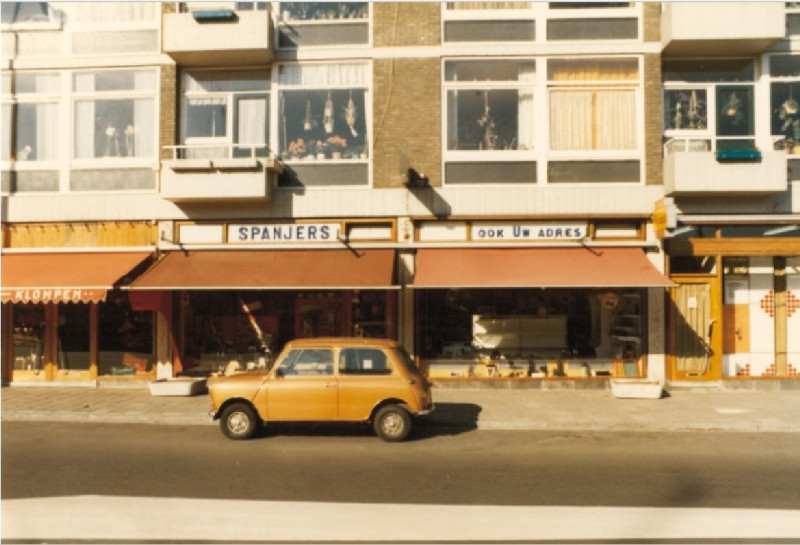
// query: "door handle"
[[330, 385]]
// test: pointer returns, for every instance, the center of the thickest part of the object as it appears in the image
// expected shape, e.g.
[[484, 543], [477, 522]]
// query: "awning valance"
[[536, 267], [70, 277], [271, 269]]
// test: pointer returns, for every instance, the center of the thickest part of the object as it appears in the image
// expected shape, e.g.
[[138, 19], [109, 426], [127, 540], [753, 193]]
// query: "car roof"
[[343, 341]]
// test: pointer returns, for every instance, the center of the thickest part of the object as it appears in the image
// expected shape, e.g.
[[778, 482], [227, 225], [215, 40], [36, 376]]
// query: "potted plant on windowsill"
[[337, 145]]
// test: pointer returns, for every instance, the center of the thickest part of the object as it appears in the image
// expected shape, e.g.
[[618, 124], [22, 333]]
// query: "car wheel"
[[239, 421], [392, 423]]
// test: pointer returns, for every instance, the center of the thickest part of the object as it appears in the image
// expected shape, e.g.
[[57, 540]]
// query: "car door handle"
[[330, 385]]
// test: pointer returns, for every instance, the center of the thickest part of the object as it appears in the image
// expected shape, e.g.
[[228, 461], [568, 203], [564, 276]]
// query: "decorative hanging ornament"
[[308, 122], [327, 115], [350, 115]]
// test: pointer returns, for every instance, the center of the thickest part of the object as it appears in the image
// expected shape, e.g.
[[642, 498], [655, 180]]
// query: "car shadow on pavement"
[[447, 419]]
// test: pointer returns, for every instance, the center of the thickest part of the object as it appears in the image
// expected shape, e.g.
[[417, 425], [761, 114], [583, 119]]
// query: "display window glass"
[[541, 333], [29, 332], [73, 337], [244, 330], [125, 338]]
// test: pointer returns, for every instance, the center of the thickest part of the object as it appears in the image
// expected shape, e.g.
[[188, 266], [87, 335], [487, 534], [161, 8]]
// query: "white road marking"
[[163, 519]]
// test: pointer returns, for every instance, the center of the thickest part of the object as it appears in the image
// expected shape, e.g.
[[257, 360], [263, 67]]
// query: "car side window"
[[307, 361], [363, 361]]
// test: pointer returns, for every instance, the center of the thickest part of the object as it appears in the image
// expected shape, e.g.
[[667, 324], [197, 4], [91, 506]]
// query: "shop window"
[[363, 361], [125, 338], [305, 24], [29, 326], [107, 127], [322, 125], [225, 114], [73, 337], [542, 333], [692, 264]]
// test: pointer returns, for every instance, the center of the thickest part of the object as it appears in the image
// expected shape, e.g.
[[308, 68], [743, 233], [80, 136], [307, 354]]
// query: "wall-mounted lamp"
[[416, 180]]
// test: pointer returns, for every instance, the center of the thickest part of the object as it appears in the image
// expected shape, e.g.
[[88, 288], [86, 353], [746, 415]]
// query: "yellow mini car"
[[326, 379]]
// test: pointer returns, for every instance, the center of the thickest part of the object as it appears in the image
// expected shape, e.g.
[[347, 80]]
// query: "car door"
[[303, 386]]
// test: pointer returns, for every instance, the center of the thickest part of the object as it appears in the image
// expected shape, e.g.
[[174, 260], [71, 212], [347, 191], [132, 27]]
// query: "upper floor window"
[[225, 113], [24, 12], [303, 24], [592, 104], [490, 104], [31, 117], [115, 114], [709, 105], [323, 117], [785, 101]]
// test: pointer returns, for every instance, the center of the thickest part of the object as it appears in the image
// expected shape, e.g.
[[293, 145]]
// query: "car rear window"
[[363, 361]]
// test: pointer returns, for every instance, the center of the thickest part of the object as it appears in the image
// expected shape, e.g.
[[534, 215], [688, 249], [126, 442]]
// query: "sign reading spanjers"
[[500, 232], [275, 233]]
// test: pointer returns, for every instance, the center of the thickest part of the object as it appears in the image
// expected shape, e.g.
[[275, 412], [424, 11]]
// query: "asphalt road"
[[500, 468]]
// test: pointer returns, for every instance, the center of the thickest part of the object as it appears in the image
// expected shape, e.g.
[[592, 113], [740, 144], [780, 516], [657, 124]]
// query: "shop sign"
[[53, 295], [500, 232], [277, 233]]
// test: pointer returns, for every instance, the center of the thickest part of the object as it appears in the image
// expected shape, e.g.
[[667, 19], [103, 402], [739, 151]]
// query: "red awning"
[[536, 267], [271, 269], [74, 277]]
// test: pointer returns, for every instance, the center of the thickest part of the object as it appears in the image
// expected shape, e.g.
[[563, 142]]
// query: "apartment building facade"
[[515, 190]]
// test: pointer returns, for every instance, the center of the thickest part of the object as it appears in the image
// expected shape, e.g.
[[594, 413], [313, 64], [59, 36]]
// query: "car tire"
[[392, 423], [239, 421]]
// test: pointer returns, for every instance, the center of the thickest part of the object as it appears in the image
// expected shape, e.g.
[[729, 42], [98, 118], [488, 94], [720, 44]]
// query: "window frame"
[[231, 98]]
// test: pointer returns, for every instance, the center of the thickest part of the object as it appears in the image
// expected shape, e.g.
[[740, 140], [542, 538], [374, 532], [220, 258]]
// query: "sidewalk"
[[491, 409]]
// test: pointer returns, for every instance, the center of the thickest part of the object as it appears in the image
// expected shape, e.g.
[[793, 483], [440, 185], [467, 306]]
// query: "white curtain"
[[570, 120], [593, 119], [84, 129], [525, 124], [143, 135], [252, 121], [325, 75], [47, 132], [616, 120]]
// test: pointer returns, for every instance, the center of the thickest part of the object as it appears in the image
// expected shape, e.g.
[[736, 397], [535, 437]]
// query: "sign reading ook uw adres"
[[527, 231], [274, 233]]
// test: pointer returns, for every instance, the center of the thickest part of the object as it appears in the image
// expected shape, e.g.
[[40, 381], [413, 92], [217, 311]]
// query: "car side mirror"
[[279, 373]]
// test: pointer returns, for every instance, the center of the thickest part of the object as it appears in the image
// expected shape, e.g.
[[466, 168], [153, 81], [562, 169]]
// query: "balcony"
[[217, 36], [696, 29], [690, 170], [219, 173]]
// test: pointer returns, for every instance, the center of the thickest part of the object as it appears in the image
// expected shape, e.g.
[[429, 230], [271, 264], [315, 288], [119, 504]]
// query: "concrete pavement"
[[496, 408]]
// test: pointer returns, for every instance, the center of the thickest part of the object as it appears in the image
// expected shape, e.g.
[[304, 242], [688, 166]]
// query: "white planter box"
[[636, 388], [178, 387]]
